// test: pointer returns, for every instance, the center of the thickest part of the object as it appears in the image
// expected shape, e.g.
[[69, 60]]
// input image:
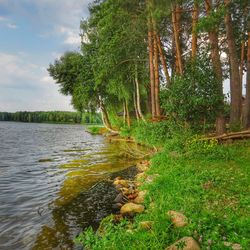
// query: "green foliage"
[[195, 97], [213, 21], [125, 131], [96, 130]]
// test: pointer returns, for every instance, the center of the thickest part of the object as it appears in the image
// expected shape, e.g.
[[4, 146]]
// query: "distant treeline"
[[51, 117]]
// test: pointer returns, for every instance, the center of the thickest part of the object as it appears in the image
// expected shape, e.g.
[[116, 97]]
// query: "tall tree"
[[195, 17], [215, 56], [247, 102], [235, 84]]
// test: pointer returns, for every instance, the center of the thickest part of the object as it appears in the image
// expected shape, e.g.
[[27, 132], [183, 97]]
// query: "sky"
[[33, 33]]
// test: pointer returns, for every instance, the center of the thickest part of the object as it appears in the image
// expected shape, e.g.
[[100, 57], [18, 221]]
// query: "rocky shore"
[[130, 201]]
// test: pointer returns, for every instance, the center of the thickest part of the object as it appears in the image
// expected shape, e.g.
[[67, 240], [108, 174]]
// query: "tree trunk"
[[124, 113], [215, 56], [128, 115], [105, 117], [236, 91], [163, 60], [176, 28], [137, 94], [135, 107], [151, 67], [156, 73], [247, 102], [242, 59], [194, 34]]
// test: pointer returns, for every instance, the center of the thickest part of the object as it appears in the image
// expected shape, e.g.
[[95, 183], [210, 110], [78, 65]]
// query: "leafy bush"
[[151, 133], [195, 97]]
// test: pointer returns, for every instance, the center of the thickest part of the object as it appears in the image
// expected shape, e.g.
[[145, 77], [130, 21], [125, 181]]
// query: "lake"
[[54, 182]]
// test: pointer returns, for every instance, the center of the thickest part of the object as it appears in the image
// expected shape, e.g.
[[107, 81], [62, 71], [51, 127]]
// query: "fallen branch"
[[233, 135]]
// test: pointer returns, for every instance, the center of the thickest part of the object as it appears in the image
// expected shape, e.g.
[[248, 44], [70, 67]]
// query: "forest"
[[51, 117], [160, 60]]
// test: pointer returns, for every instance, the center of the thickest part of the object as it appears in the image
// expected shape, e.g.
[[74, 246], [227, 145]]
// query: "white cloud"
[[24, 81], [3, 19], [27, 86], [7, 22], [71, 37], [12, 26]]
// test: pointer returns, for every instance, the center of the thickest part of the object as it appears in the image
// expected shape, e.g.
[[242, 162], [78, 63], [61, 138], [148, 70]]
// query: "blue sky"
[[33, 33]]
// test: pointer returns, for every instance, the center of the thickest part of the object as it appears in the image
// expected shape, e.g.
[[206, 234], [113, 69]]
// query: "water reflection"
[[85, 197], [53, 183]]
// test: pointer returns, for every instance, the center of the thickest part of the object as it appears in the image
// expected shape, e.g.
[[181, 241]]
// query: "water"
[[52, 183]]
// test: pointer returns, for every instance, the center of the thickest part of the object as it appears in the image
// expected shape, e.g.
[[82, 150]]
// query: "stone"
[[146, 225], [234, 246], [118, 187], [143, 166], [151, 178], [128, 191], [185, 243], [123, 183], [117, 206], [140, 176], [140, 197], [131, 209], [178, 219], [119, 198]]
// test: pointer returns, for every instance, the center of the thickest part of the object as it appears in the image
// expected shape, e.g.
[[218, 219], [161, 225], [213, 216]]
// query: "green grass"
[[96, 130], [209, 183]]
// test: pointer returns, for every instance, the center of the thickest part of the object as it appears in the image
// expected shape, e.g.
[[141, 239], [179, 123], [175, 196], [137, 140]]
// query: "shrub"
[[195, 97]]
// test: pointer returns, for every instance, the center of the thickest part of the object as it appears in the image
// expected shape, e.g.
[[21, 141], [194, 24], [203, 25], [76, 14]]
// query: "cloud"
[[12, 26], [71, 37], [27, 86], [7, 22], [46, 16], [3, 19], [49, 27]]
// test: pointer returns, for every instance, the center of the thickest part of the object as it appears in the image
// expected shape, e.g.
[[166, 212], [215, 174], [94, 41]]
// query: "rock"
[[146, 225], [140, 176], [128, 191], [185, 243], [117, 206], [178, 219], [123, 183], [233, 246], [151, 178], [119, 198], [118, 187], [131, 209], [143, 166], [140, 197], [236, 246], [132, 196]]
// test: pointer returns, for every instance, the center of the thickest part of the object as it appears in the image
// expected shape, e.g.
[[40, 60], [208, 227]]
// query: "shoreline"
[[167, 203]]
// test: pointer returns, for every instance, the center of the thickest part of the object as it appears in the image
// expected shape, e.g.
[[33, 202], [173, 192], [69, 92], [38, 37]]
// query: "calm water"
[[51, 183]]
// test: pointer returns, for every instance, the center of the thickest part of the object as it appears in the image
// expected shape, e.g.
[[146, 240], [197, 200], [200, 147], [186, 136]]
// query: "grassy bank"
[[96, 130], [207, 182]]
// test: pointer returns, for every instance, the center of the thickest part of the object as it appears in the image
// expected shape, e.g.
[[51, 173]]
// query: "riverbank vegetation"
[[52, 117], [157, 60], [207, 182], [158, 71]]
